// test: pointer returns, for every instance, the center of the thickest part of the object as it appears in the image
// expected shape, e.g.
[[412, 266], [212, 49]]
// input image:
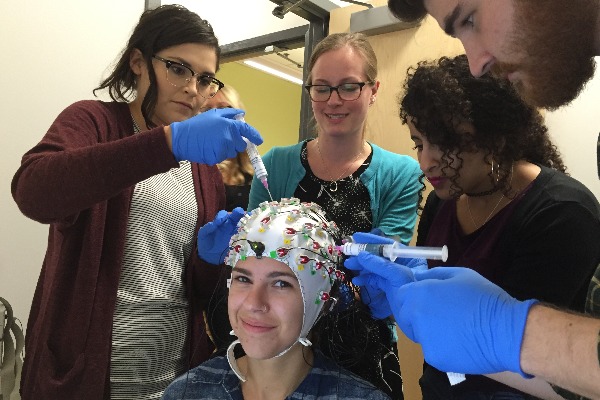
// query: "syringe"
[[395, 250], [259, 167]]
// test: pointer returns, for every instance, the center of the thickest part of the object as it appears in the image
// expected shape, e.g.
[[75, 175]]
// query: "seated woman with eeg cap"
[[285, 277]]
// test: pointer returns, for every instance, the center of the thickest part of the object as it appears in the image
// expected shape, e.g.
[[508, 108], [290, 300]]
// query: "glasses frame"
[[332, 89], [214, 80]]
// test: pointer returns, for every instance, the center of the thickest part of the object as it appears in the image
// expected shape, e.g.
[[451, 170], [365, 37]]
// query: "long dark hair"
[[157, 29], [350, 336], [441, 95]]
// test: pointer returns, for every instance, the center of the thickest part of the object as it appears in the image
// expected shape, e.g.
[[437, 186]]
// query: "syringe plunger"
[[395, 250], [255, 159]]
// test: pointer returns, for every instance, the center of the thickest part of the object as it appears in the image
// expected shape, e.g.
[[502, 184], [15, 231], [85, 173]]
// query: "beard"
[[554, 43]]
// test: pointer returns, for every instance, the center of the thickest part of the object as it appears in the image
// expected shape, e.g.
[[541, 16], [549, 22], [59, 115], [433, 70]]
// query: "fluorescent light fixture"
[[273, 71]]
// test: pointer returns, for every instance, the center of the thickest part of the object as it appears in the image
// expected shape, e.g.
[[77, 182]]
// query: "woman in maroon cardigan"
[[119, 307]]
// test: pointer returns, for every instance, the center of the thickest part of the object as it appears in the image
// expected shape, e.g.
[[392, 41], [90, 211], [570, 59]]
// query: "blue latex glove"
[[214, 237], [212, 136], [376, 237], [377, 289], [464, 323], [374, 296]]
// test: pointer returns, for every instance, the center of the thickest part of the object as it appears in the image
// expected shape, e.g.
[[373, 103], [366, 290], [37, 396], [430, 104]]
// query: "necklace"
[[495, 207], [333, 185]]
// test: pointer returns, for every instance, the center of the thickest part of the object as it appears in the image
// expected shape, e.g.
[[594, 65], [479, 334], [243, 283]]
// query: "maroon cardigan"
[[80, 180]]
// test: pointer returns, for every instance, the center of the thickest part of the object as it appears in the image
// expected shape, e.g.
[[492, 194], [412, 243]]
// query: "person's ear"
[[374, 90], [136, 61]]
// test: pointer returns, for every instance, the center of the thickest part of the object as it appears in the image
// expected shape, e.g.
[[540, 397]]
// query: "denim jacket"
[[214, 379]]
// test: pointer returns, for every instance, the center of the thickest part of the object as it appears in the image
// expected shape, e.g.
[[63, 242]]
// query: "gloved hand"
[[372, 295], [376, 237], [378, 290], [214, 237], [464, 323], [212, 136]]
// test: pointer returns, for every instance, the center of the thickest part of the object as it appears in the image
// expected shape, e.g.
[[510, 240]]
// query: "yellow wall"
[[272, 104]]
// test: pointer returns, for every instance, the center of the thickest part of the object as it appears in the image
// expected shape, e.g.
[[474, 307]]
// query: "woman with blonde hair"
[[359, 185]]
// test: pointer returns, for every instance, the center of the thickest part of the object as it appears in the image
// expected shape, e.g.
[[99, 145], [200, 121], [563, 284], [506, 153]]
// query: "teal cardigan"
[[391, 179]]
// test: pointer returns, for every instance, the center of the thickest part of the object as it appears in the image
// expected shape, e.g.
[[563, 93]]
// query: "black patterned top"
[[346, 201]]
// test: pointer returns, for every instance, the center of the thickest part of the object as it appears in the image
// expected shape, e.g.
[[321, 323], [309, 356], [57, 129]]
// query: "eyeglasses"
[[180, 75], [346, 91]]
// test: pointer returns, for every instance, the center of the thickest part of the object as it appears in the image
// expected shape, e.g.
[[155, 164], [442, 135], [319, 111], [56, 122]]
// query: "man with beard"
[[546, 49]]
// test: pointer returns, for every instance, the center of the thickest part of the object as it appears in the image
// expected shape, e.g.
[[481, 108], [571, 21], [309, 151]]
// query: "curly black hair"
[[442, 97]]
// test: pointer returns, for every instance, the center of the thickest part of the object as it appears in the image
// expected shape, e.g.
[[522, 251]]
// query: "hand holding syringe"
[[259, 167], [395, 250]]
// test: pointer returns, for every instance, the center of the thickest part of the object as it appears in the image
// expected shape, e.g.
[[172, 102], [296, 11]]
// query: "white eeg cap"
[[296, 234]]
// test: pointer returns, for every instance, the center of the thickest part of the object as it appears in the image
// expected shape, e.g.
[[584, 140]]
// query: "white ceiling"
[[236, 20]]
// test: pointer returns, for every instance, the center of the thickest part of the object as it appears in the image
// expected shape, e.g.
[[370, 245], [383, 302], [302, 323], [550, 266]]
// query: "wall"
[[574, 129], [272, 104], [54, 53]]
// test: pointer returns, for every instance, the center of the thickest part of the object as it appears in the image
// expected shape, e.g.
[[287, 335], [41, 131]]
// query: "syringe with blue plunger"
[[395, 250]]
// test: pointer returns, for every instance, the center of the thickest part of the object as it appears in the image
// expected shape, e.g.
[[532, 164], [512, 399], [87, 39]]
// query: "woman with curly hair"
[[502, 202]]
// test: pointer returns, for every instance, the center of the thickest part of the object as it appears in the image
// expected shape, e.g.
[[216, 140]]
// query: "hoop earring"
[[496, 173]]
